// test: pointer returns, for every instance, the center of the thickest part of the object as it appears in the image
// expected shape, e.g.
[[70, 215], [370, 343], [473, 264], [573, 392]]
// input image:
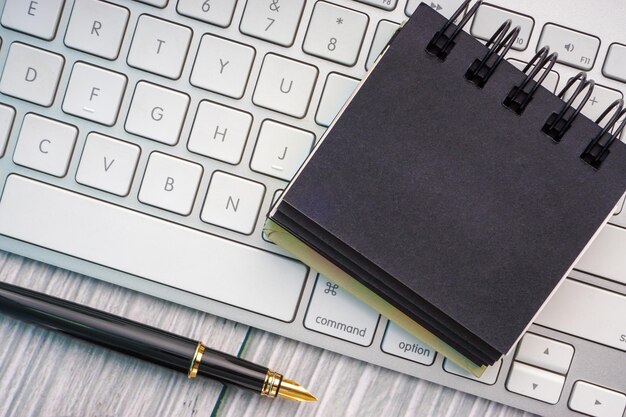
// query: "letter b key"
[[170, 183]]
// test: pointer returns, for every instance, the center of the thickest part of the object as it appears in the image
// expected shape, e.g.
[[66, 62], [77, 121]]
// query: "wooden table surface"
[[47, 374]]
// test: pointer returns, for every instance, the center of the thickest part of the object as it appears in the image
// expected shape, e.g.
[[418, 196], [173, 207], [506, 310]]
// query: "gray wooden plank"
[[47, 374], [348, 387], [44, 373]]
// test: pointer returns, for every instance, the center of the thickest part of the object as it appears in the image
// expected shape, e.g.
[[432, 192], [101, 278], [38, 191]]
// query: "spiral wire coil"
[[536, 71]]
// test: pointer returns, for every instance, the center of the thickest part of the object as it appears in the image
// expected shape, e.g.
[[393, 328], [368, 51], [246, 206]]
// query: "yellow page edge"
[[304, 253]]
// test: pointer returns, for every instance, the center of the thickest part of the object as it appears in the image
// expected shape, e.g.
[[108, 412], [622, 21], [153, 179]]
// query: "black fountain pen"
[[145, 342]]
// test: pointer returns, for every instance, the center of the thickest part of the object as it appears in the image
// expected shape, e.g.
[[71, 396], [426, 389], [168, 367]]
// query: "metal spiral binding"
[[499, 45], [519, 96], [598, 149], [558, 123], [536, 72], [441, 44]]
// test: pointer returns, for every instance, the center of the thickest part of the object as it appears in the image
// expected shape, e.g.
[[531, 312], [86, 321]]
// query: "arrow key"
[[545, 353], [535, 383], [596, 401]]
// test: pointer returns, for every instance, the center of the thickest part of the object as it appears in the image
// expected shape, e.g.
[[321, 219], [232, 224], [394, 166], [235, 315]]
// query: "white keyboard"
[[143, 142]]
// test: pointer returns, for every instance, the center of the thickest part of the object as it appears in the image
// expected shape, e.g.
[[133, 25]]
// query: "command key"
[[335, 312]]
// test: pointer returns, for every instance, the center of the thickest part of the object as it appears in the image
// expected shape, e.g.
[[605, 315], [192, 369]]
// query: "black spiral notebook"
[[454, 189]]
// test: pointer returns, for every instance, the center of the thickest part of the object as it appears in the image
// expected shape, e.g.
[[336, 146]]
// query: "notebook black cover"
[[440, 199]]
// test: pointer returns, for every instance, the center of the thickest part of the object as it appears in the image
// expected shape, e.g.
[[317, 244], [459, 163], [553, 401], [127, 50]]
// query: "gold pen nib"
[[277, 386], [293, 391]]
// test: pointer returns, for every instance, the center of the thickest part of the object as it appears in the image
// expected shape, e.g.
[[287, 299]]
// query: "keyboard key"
[[216, 12], [337, 90], [596, 401], [159, 47], [488, 19], [94, 93], [535, 383], [552, 80], [600, 99], [45, 145], [222, 66], [382, 4], [36, 18], [336, 312], [108, 164], [399, 342], [619, 215], [615, 63], [156, 3], [275, 198], [445, 7], [7, 115], [157, 113], [335, 33], [281, 149], [219, 132], [606, 255], [285, 85], [545, 353], [97, 28], [271, 20], [575, 48], [587, 312], [619, 208], [489, 377], [151, 248], [384, 32], [31, 74], [170, 183], [233, 202]]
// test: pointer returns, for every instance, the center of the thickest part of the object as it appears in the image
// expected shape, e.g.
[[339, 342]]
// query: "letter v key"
[[100, 154], [107, 165]]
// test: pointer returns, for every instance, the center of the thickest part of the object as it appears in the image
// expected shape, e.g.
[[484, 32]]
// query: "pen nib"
[[291, 390]]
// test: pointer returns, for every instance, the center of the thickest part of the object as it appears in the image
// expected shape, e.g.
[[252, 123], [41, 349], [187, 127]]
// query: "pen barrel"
[[232, 370], [104, 329]]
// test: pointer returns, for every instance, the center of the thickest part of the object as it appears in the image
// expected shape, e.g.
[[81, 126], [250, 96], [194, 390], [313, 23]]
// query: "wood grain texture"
[[47, 374]]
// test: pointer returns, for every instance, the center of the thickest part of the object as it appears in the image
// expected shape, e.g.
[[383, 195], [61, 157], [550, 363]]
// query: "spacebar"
[[151, 248], [589, 312]]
